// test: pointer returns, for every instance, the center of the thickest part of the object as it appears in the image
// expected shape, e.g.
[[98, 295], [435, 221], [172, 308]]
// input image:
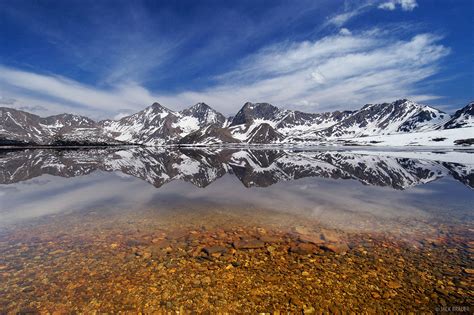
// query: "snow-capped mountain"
[[20, 127], [158, 125], [299, 126], [265, 123], [254, 168], [255, 123], [401, 116], [462, 118], [204, 115], [64, 122]]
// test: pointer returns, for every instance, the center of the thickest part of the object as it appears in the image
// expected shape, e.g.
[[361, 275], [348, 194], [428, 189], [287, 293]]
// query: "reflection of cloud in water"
[[66, 195], [37, 181], [340, 204], [123, 184], [331, 202], [7, 189]]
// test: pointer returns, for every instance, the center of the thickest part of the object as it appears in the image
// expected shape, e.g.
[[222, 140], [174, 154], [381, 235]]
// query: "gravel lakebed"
[[222, 261]]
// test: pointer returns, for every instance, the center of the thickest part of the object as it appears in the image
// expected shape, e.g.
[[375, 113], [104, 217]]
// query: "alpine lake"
[[237, 230]]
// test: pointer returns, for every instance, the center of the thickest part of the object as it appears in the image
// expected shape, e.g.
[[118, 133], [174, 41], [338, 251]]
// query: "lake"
[[236, 229]]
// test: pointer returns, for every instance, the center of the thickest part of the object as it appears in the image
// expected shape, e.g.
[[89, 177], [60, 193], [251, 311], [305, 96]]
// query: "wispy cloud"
[[357, 8], [335, 72], [350, 11], [7, 101], [70, 94], [34, 108], [405, 5], [339, 71]]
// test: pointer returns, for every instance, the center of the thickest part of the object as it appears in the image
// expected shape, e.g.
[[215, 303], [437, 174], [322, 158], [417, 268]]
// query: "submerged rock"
[[214, 250], [338, 248], [394, 285], [248, 244], [303, 249]]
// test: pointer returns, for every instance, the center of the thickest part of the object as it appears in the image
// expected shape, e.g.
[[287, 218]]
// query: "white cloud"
[[318, 77], [334, 72], [408, 5], [34, 108], [345, 31], [387, 6], [341, 19], [60, 93], [7, 101], [405, 5], [352, 11]]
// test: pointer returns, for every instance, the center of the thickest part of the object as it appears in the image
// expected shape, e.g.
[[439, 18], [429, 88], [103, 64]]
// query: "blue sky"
[[109, 58]]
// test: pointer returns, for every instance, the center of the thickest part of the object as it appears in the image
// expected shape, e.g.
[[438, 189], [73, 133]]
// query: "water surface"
[[204, 229]]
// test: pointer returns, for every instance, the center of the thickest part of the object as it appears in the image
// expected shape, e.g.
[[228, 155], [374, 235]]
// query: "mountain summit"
[[254, 123]]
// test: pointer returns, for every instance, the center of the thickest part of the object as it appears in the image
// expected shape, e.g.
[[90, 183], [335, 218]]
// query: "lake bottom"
[[230, 260]]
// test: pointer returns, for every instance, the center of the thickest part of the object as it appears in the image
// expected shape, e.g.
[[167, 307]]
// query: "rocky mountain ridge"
[[254, 123], [20, 127], [462, 118]]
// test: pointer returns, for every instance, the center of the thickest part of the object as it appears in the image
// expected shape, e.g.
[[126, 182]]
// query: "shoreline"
[[245, 146]]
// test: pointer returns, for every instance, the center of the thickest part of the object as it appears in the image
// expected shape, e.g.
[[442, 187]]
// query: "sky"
[[111, 58]]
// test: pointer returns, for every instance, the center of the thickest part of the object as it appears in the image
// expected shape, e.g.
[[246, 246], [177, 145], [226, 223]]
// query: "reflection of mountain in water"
[[259, 168]]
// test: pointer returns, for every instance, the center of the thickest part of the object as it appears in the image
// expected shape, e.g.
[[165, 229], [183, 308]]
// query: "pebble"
[[330, 236], [311, 238], [303, 249], [339, 248], [376, 295], [248, 244], [394, 285], [214, 249]]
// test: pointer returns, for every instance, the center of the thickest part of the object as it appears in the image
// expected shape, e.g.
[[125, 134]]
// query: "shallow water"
[[238, 230]]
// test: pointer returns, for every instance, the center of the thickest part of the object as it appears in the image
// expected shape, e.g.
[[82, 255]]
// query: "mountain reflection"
[[253, 167]]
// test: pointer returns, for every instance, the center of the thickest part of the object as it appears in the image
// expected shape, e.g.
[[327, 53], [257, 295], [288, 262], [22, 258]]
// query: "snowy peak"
[[250, 112], [151, 126], [158, 125], [204, 114], [388, 118], [462, 118], [153, 111], [157, 106], [260, 123], [284, 124], [67, 122], [297, 118], [19, 127]]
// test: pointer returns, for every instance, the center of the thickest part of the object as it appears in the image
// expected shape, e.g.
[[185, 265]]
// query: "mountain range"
[[254, 168], [254, 123]]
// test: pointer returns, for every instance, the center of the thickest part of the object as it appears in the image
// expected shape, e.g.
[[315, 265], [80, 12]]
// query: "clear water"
[[338, 187], [92, 196]]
